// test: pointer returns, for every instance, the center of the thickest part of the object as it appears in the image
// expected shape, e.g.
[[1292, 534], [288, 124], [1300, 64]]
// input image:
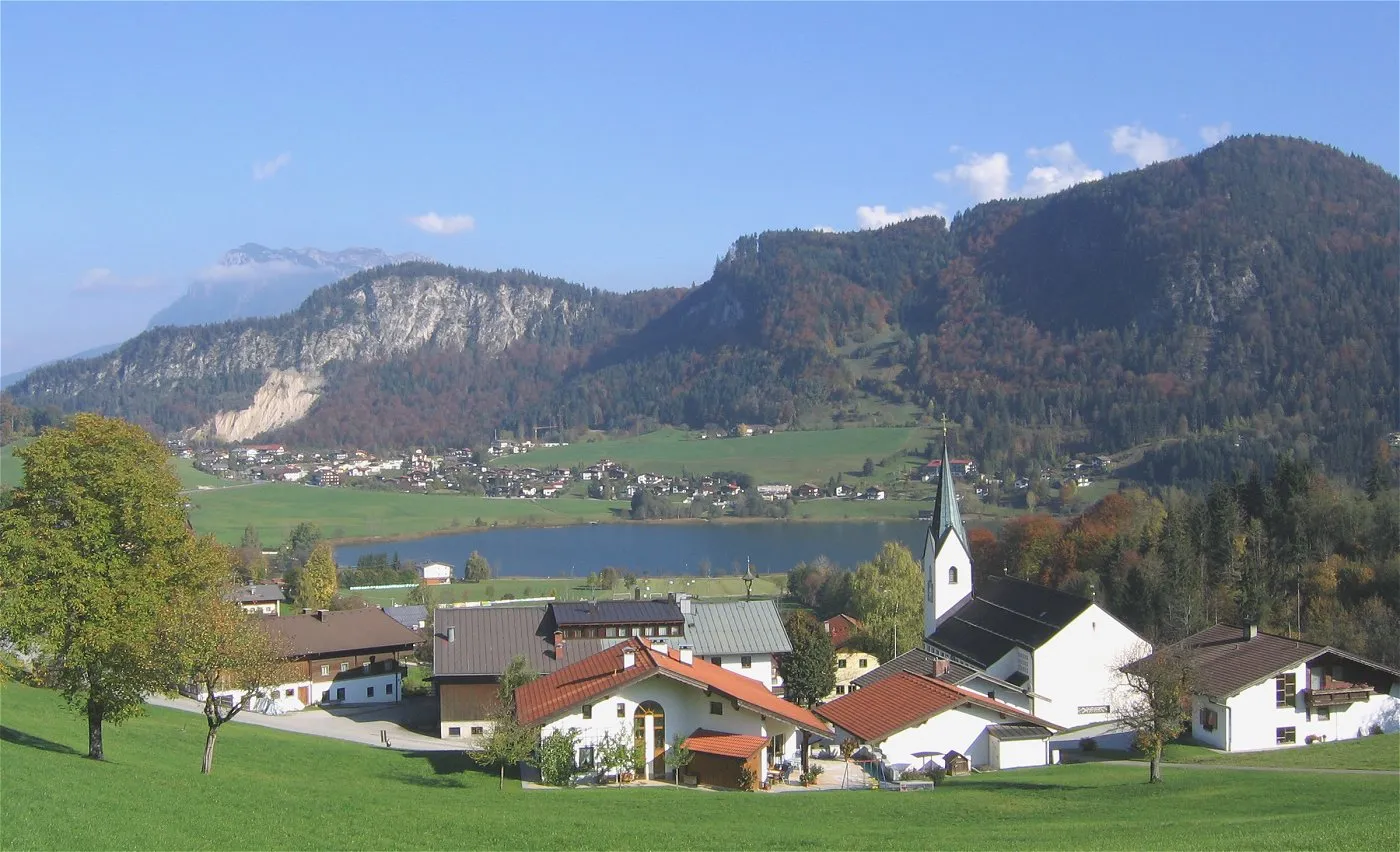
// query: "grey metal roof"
[[736, 627], [916, 661], [485, 640], [570, 613], [1004, 613], [256, 593], [408, 616], [1019, 731]]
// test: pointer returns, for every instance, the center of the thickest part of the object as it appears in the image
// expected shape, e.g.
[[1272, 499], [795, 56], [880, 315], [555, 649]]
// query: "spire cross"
[[944, 419]]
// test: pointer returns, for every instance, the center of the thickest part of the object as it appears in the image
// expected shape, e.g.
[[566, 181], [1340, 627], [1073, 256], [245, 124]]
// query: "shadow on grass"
[[448, 762], [10, 735], [453, 769]]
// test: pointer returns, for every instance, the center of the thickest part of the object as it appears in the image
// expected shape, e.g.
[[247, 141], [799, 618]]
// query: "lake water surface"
[[653, 549]]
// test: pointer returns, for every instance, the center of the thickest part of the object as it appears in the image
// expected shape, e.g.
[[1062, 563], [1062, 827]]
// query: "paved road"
[[361, 724]]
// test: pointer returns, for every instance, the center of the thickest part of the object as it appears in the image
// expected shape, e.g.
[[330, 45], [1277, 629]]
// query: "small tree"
[[868, 469], [556, 758], [477, 568], [1157, 705], [509, 744], [678, 757], [616, 752], [319, 581]]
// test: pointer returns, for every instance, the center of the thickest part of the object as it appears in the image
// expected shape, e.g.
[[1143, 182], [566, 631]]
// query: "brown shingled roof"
[[341, 632], [1226, 662], [904, 700]]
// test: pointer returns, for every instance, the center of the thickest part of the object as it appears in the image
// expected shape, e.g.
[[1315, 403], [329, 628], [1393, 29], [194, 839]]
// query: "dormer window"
[[953, 576]]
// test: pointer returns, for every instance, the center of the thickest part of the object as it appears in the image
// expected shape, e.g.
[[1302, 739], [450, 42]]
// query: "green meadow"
[[1375, 752], [572, 588], [793, 457], [12, 470], [274, 790]]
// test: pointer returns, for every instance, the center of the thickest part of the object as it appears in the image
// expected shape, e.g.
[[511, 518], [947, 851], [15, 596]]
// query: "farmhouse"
[[651, 693], [1257, 690], [851, 662], [1061, 652], [911, 719], [262, 598], [741, 636], [435, 574]]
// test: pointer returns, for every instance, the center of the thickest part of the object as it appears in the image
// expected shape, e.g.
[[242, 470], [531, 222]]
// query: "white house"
[[741, 636], [260, 598], [914, 719], [1061, 653], [1258, 691], [436, 573], [652, 695]]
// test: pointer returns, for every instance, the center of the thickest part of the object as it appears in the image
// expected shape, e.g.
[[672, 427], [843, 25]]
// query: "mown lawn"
[[793, 457], [572, 588], [285, 791], [276, 508], [1375, 752]]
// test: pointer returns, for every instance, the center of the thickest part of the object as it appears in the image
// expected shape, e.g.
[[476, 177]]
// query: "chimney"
[[1250, 631], [629, 658], [659, 646], [558, 644], [321, 614], [687, 656], [940, 667]]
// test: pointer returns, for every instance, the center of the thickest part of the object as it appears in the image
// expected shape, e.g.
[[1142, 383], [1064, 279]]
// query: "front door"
[[649, 731], [303, 696]]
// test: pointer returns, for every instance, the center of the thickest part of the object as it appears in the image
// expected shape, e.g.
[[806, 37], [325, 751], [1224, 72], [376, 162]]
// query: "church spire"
[[945, 507]]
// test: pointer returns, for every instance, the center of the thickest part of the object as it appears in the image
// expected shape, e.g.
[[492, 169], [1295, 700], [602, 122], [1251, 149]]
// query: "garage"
[[716, 758], [1016, 745]]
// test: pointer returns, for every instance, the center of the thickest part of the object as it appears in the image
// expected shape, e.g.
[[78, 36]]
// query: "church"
[[1049, 653]]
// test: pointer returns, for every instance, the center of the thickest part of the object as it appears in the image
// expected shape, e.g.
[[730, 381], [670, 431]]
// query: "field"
[[12, 470], [341, 513], [1376, 752], [570, 588], [793, 457], [276, 790]]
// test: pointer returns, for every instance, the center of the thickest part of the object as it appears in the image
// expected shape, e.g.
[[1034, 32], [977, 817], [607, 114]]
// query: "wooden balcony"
[[1336, 694]]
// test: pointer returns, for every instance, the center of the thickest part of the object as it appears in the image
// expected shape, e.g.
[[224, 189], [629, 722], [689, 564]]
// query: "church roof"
[[1004, 613], [946, 517]]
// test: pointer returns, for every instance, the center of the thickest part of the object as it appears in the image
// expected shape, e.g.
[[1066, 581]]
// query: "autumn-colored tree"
[[319, 580], [217, 645], [1027, 543], [1157, 702], [93, 547]]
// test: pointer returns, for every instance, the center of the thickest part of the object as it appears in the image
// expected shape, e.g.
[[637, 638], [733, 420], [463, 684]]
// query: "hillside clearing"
[[312, 793]]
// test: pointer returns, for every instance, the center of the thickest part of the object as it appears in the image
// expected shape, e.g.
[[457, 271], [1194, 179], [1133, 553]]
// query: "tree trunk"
[[1154, 768], [806, 746], [208, 765], [94, 714], [503, 776]]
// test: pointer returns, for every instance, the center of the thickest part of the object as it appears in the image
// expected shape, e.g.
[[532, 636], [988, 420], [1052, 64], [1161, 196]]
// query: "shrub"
[[1376, 729], [1088, 744], [748, 781], [556, 758]]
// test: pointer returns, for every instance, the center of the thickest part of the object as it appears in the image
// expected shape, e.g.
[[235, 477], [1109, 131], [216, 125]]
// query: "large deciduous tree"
[[809, 670], [219, 646], [477, 568], [1157, 703], [93, 548], [319, 580], [887, 594]]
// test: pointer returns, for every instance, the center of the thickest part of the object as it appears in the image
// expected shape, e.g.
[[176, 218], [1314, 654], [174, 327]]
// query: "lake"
[[653, 549]]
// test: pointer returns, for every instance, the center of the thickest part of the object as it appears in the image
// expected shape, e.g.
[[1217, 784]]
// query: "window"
[[452, 634], [636, 631], [953, 576], [1324, 713], [325, 670], [585, 757], [288, 693], [345, 667], [746, 662], [454, 731], [1286, 689], [650, 631], [841, 663], [588, 711], [717, 660], [1208, 719], [863, 663], [340, 694], [621, 710], [369, 692], [478, 730], [1285, 736], [716, 708], [611, 632], [840, 690], [388, 689]]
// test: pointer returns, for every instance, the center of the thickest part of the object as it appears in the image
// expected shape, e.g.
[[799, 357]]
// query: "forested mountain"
[[1241, 300]]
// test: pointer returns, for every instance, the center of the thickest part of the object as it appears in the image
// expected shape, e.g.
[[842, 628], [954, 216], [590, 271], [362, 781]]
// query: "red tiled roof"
[[602, 673], [903, 700], [841, 628], [724, 745]]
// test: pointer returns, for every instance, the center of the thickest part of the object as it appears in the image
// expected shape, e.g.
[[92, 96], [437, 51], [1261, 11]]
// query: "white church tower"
[[947, 556]]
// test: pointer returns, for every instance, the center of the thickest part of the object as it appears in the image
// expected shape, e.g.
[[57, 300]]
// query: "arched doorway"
[[649, 732]]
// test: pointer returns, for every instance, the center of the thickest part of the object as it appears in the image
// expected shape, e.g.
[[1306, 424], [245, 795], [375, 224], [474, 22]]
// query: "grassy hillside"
[[783, 456], [11, 468], [572, 588], [1377, 752], [274, 790]]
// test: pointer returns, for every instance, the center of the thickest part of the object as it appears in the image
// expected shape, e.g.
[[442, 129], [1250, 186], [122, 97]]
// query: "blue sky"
[[620, 146]]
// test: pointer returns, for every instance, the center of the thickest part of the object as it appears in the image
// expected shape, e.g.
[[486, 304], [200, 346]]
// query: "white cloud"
[[1142, 145], [265, 170], [432, 223], [1062, 169], [985, 176], [1212, 133], [237, 273], [100, 279], [868, 218]]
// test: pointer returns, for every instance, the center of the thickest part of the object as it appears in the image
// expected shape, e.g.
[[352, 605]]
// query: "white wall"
[[269, 608], [940, 596], [761, 670], [1011, 754], [685, 708], [963, 729], [997, 692], [1254, 716], [1078, 667]]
